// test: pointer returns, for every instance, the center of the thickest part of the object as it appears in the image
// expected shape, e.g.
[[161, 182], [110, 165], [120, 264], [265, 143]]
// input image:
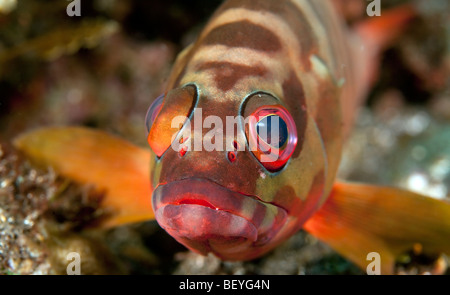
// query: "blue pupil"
[[267, 130]]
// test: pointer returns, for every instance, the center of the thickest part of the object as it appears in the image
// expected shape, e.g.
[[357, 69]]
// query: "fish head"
[[235, 177]]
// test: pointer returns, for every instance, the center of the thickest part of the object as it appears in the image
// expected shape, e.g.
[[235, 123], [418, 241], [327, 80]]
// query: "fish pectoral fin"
[[358, 219], [116, 167]]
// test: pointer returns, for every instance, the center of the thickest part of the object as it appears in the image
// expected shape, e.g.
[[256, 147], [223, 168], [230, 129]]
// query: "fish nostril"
[[235, 145], [232, 156], [183, 139], [183, 151]]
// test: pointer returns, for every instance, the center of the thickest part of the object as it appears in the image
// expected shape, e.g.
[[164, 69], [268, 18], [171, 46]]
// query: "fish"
[[216, 181]]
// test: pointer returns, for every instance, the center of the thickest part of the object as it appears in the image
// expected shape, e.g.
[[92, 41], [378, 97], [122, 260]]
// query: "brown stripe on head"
[[243, 34], [227, 74], [288, 12], [287, 198], [297, 207], [294, 98]]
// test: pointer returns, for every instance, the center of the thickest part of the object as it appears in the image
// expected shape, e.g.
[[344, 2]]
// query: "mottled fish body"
[[254, 55]]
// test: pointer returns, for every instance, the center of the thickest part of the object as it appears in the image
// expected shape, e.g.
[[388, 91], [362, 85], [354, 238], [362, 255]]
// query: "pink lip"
[[208, 217]]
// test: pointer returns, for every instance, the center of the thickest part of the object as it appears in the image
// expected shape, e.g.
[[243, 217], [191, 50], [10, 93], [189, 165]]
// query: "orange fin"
[[381, 31], [372, 36], [378, 33], [358, 219], [119, 168]]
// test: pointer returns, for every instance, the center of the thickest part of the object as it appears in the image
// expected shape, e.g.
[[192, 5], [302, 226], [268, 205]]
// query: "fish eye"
[[153, 111], [272, 136], [162, 119], [273, 130]]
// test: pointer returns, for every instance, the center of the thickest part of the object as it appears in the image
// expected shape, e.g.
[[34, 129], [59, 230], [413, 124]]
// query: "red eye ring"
[[272, 158], [153, 111]]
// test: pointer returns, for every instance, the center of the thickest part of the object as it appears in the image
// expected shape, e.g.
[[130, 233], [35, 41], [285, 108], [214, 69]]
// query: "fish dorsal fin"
[[369, 38]]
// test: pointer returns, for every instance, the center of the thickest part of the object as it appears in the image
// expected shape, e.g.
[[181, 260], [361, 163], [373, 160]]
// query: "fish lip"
[[190, 179], [198, 191]]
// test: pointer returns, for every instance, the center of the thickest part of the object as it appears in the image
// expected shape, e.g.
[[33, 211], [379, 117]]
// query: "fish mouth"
[[207, 217]]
